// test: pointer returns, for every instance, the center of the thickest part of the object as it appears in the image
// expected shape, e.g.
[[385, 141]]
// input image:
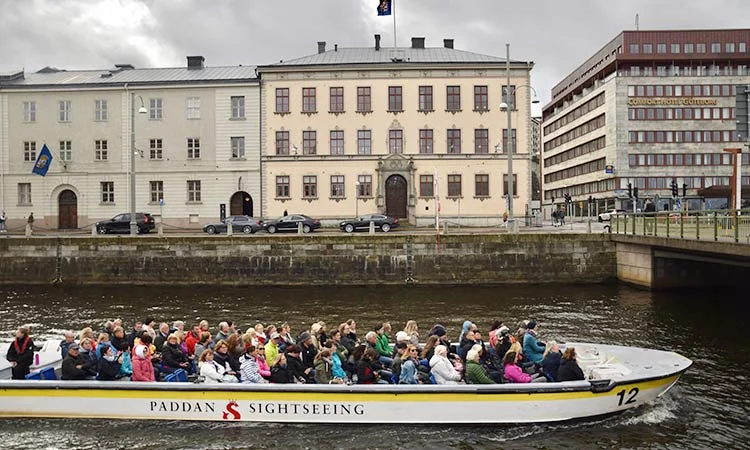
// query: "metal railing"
[[720, 225]]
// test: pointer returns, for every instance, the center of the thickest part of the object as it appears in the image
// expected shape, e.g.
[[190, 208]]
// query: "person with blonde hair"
[[441, 368], [280, 373], [172, 356], [475, 373], [87, 332], [412, 330], [260, 333], [551, 360], [409, 366]]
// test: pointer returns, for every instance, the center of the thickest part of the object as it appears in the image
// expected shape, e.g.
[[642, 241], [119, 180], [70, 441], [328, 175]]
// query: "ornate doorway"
[[67, 210], [241, 204], [396, 196]]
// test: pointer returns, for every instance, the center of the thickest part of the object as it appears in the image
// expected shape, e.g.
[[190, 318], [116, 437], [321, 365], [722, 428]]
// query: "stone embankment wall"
[[311, 259]]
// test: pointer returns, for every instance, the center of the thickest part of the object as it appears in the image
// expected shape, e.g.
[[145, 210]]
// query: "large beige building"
[[365, 130], [197, 144]]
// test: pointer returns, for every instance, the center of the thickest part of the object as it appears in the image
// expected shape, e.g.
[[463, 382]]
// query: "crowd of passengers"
[[341, 355]]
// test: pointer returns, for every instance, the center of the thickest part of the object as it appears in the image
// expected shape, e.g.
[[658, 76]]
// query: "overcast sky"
[[558, 35]]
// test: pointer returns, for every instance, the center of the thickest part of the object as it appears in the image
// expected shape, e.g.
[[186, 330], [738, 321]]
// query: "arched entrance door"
[[67, 210], [395, 196], [241, 204]]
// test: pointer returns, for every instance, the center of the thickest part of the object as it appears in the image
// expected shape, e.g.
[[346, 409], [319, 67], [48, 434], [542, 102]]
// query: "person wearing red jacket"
[[192, 338], [21, 354]]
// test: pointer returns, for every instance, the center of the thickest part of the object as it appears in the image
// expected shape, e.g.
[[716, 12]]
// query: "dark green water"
[[707, 409]]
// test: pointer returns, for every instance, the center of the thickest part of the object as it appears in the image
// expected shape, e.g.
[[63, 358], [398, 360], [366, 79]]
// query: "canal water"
[[708, 408]]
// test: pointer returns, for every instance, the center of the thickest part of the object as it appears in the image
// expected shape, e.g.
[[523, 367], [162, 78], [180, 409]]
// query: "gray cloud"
[[556, 35]]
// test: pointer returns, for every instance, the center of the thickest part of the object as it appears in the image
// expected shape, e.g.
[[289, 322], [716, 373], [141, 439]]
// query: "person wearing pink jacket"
[[143, 369], [514, 373]]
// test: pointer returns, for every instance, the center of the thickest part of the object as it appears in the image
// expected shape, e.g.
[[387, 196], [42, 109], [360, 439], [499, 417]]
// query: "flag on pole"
[[42, 161], [384, 7]]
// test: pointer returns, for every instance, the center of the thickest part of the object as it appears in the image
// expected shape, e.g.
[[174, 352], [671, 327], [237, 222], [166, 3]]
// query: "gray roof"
[[177, 75], [368, 55]]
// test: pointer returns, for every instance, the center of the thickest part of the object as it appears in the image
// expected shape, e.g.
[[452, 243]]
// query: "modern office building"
[[648, 109], [197, 143], [350, 131]]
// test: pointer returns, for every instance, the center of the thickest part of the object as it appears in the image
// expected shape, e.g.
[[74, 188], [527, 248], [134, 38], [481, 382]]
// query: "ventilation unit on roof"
[[397, 55]]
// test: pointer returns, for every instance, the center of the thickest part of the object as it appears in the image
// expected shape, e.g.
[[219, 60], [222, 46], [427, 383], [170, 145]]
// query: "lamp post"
[[356, 200], [508, 107], [141, 110]]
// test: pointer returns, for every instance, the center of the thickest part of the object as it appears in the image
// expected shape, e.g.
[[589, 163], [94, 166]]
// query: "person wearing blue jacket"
[[533, 349]]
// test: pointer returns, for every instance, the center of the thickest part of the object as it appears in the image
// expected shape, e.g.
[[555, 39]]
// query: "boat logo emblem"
[[231, 410]]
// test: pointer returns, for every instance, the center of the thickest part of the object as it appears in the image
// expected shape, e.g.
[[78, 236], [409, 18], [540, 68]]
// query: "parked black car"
[[121, 224], [385, 223], [240, 224], [289, 223]]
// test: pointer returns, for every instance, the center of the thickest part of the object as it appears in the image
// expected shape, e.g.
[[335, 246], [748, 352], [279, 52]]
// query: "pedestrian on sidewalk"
[[2, 222], [29, 225]]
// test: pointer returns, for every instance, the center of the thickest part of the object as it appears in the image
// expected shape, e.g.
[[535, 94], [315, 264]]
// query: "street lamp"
[[508, 107], [356, 200], [141, 110]]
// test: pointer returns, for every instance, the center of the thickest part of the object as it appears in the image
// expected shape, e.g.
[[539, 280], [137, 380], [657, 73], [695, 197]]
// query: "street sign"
[[609, 169], [161, 202]]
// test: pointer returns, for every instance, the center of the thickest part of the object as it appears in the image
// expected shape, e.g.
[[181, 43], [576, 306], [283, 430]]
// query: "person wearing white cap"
[[271, 348]]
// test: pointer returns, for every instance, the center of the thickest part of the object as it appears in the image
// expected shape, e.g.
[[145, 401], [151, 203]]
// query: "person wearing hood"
[[464, 328], [533, 349], [442, 369], [109, 365], [143, 369]]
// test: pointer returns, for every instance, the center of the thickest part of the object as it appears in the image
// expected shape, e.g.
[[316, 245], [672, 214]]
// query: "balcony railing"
[[720, 225]]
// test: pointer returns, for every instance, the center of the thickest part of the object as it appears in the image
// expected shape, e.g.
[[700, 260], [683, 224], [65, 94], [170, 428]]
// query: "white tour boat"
[[48, 356], [618, 378]]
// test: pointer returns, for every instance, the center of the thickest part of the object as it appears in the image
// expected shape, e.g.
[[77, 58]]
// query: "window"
[[282, 100], [157, 191], [101, 113], [66, 150], [661, 48], [454, 185], [29, 111], [337, 99], [193, 148], [108, 191], [395, 103], [512, 140], [481, 100], [364, 100], [193, 108], [425, 141], [156, 109], [365, 186], [282, 142], [238, 107], [64, 110], [309, 142], [481, 185], [282, 186], [453, 94], [700, 48], [505, 184], [24, 194], [310, 186], [675, 48], [742, 47], [635, 48], [337, 186], [238, 146], [308, 100], [426, 186], [194, 190], [364, 142], [395, 141], [454, 140], [481, 140], [100, 150], [156, 149], [509, 100], [648, 48], [715, 47], [688, 48], [425, 98], [337, 142]]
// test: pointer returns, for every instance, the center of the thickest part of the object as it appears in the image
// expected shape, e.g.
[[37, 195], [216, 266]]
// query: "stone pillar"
[[635, 264]]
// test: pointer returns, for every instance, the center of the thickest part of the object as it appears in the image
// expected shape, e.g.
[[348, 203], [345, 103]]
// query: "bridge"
[[683, 249]]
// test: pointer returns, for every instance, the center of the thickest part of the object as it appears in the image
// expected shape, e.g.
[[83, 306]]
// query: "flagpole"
[[436, 188], [393, 12]]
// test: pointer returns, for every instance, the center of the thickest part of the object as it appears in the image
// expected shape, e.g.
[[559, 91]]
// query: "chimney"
[[417, 42], [377, 42], [195, 62], [335, 47], [321, 46], [448, 43]]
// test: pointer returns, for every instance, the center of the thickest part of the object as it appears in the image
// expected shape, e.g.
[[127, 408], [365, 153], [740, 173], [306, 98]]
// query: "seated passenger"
[[308, 350], [272, 346], [475, 373], [488, 363], [89, 353], [211, 371], [551, 361], [442, 369], [401, 338], [533, 349], [337, 370], [514, 373], [400, 350], [504, 341], [367, 371], [109, 365], [323, 367], [296, 366], [143, 369], [69, 339], [204, 342], [118, 337], [494, 328], [75, 366], [192, 338], [260, 334], [222, 357], [383, 345], [172, 357], [279, 371], [101, 342], [249, 369], [263, 368], [428, 351], [346, 337], [412, 330], [569, 369], [409, 366], [126, 367], [373, 341], [467, 343]]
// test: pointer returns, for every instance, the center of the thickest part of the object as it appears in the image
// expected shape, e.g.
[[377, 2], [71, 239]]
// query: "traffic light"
[[591, 199], [553, 200], [635, 192], [567, 198], [674, 188], [684, 189], [630, 190]]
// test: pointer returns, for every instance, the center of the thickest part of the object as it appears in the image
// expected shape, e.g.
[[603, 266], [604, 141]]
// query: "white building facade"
[[197, 145]]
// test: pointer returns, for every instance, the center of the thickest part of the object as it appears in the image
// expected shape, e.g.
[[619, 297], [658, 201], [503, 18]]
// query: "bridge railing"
[[715, 225]]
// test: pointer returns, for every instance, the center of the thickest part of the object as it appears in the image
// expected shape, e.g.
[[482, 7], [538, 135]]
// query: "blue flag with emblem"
[[42, 161], [384, 7]]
